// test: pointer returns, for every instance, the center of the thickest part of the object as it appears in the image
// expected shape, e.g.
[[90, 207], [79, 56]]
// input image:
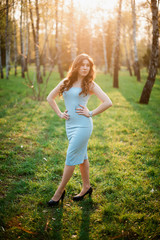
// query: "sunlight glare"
[[105, 4]]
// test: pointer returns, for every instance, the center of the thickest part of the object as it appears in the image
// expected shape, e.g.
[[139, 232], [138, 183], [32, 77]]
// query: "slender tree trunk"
[[104, 48], [21, 40], [45, 48], [136, 62], [1, 67], [36, 43], [15, 40], [45, 38], [29, 49], [58, 48], [91, 44], [61, 29], [27, 38], [126, 52], [154, 55], [131, 52], [39, 78], [112, 58], [73, 39], [116, 57], [91, 35], [7, 41]]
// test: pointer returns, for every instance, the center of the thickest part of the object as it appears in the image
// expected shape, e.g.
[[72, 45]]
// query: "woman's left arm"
[[106, 102]]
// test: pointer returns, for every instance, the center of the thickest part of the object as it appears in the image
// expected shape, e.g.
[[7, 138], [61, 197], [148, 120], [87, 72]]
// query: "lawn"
[[124, 153]]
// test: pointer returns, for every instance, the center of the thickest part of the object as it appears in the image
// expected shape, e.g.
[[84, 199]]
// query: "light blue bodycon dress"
[[78, 127]]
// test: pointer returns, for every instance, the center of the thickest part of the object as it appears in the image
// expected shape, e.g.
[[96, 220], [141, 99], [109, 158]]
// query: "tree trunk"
[[91, 35], [7, 41], [21, 40], [131, 54], [39, 78], [126, 52], [45, 48], [15, 40], [112, 58], [136, 62], [154, 55], [27, 38], [104, 48], [116, 56], [73, 33], [1, 67], [36, 43], [58, 48]]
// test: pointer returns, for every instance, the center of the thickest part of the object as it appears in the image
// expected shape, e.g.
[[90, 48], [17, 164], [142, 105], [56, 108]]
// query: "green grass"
[[124, 153]]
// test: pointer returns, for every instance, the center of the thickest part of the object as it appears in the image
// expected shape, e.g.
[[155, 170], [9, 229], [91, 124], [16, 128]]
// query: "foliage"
[[124, 152], [87, 28]]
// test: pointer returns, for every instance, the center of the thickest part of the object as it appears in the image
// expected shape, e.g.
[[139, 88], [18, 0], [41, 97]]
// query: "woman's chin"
[[84, 74]]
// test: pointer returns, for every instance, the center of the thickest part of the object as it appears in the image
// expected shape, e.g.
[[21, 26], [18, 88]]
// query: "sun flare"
[[95, 4]]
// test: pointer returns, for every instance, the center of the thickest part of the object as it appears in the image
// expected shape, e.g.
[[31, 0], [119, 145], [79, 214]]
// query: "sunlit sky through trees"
[[98, 9]]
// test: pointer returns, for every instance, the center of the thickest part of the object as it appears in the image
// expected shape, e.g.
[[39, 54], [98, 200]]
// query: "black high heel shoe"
[[52, 203], [79, 198]]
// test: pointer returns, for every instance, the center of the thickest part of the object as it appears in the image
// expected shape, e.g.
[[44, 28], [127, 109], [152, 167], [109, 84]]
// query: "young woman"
[[76, 90]]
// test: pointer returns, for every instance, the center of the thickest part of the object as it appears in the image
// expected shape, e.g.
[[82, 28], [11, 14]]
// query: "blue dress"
[[78, 127]]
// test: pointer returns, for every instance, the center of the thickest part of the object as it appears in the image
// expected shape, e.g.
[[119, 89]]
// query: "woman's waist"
[[79, 120]]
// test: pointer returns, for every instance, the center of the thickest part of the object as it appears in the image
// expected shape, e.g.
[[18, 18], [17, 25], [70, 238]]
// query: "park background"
[[38, 42]]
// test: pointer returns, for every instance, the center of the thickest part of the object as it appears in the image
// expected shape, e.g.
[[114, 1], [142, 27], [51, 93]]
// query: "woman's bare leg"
[[67, 174], [84, 168]]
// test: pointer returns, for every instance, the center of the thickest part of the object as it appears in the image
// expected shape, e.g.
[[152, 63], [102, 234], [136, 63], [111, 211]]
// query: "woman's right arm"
[[51, 100]]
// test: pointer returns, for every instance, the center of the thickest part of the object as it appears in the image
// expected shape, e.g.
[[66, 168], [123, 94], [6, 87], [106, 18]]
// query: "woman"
[[76, 90]]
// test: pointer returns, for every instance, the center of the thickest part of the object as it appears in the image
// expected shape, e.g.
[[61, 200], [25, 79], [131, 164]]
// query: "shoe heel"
[[62, 197], [90, 191]]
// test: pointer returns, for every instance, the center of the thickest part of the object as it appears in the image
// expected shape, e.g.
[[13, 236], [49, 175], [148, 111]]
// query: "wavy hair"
[[72, 75]]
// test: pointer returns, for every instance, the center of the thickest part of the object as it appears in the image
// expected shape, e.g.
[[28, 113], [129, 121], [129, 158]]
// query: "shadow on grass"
[[87, 209], [149, 113], [55, 225]]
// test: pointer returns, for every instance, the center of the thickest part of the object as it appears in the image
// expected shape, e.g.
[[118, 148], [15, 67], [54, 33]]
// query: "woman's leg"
[[84, 168], [67, 174]]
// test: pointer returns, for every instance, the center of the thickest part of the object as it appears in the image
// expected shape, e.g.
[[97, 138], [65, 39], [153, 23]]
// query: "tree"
[[45, 37], [136, 62], [26, 22], [126, 51], [7, 40], [1, 68], [104, 47], [15, 40], [154, 55], [35, 31], [73, 39], [22, 40], [58, 47], [116, 52], [2, 30]]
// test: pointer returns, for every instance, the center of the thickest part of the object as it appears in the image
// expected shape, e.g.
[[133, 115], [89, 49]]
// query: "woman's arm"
[[106, 102], [51, 100]]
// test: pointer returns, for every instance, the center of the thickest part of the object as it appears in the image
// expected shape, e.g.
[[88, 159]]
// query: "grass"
[[124, 153]]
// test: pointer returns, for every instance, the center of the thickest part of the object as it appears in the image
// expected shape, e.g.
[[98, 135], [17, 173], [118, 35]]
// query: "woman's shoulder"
[[62, 82], [92, 86]]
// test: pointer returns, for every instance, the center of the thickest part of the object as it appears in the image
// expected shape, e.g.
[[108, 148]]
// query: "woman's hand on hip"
[[64, 115], [82, 111]]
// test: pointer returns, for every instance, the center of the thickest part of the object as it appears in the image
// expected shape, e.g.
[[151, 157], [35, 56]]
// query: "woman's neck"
[[79, 79]]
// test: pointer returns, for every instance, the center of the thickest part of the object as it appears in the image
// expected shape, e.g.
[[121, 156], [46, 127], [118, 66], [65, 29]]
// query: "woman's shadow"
[[54, 228], [87, 210], [55, 217]]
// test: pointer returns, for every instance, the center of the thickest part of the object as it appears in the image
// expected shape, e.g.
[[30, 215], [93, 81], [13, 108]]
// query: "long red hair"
[[72, 75]]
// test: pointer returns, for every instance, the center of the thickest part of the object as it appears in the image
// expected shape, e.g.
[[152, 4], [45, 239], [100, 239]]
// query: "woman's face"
[[84, 68]]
